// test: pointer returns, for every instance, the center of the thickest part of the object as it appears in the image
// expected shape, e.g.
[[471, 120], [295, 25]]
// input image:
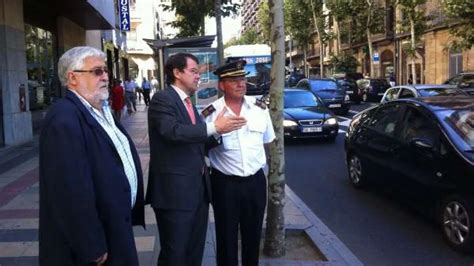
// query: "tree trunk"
[[274, 245], [413, 50], [220, 46], [369, 38], [338, 36], [320, 40], [305, 57]]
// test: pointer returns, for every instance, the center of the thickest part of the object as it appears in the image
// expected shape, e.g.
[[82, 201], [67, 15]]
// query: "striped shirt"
[[120, 141]]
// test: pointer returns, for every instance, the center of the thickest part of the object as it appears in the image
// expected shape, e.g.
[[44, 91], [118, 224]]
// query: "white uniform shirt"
[[241, 152]]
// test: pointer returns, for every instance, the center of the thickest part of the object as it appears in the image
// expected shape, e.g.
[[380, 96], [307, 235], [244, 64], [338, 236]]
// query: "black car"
[[464, 81], [372, 89], [423, 149], [333, 96], [306, 116], [351, 88]]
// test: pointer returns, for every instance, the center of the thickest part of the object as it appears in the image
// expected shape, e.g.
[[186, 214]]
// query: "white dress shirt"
[[210, 127], [241, 152]]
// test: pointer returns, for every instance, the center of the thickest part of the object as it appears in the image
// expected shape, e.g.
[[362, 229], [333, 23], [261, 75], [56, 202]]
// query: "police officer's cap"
[[233, 69]]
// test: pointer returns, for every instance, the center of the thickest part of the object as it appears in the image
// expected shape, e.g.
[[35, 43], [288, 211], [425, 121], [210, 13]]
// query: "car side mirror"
[[422, 143]]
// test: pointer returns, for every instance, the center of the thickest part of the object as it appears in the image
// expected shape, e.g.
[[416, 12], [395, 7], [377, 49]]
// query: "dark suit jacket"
[[176, 154], [85, 207]]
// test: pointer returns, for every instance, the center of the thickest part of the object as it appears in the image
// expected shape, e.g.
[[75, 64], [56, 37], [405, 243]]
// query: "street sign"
[[376, 58], [124, 12]]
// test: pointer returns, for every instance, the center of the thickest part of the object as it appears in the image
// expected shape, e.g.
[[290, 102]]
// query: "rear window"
[[461, 124], [296, 99], [438, 92], [323, 85]]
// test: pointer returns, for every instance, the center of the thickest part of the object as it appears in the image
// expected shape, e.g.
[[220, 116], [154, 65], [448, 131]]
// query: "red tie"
[[189, 107]]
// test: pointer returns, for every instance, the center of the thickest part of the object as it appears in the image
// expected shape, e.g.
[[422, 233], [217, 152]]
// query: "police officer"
[[239, 185]]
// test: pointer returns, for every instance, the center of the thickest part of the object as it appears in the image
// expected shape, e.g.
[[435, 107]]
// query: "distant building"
[[249, 15]]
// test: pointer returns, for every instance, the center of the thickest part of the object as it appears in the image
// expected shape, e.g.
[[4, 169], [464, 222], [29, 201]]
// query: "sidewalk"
[[19, 204]]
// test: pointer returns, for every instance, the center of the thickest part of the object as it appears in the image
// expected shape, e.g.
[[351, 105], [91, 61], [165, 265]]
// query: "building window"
[[132, 35], [455, 62]]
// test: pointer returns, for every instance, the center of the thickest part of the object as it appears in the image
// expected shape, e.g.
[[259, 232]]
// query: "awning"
[[43, 13], [189, 42]]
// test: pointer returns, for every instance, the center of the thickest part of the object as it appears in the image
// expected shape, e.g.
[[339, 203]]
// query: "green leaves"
[[461, 14]]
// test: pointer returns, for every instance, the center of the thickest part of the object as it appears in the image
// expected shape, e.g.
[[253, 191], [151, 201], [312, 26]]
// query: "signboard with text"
[[124, 13]]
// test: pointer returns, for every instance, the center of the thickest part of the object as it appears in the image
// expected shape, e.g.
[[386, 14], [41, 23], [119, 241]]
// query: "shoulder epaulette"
[[208, 111], [261, 104]]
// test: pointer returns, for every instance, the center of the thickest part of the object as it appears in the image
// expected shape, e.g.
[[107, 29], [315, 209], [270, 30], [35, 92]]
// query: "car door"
[[417, 156], [377, 140]]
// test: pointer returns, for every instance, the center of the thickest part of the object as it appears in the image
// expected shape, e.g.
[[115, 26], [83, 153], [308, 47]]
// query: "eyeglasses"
[[236, 79], [193, 71], [99, 71]]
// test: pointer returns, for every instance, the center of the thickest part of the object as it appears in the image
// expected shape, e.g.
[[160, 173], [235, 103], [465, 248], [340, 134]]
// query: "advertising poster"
[[207, 90]]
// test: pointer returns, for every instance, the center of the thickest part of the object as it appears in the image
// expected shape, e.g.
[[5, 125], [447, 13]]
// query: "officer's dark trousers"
[[238, 201]]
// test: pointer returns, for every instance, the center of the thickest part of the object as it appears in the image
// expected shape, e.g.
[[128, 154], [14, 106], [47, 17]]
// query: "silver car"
[[420, 90]]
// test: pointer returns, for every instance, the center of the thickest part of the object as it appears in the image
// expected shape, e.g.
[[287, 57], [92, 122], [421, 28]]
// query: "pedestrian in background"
[[130, 96], [91, 186], [146, 87], [118, 98], [155, 84], [239, 185], [178, 185]]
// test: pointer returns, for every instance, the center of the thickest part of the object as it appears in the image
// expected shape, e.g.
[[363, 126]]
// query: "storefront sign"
[[124, 12]]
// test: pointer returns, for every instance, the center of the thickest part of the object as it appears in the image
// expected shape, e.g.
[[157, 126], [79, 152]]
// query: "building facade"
[[145, 23], [32, 38], [249, 15], [434, 63]]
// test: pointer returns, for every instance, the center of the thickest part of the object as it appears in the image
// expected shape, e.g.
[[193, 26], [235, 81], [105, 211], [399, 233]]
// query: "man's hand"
[[101, 260], [225, 124]]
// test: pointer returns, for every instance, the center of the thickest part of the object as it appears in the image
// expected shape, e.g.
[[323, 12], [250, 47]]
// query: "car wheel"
[[356, 172], [457, 222]]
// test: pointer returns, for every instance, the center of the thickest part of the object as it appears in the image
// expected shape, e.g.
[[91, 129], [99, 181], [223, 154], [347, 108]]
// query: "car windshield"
[[460, 125], [320, 85], [427, 92], [295, 99]]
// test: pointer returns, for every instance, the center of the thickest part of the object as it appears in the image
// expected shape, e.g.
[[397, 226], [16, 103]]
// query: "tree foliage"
[[298, 22], [264, 23], [343, 63], [190, 14], [249, 37], [461, 12]]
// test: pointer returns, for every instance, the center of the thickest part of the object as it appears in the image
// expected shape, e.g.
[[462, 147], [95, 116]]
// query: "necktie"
[[189, 107]]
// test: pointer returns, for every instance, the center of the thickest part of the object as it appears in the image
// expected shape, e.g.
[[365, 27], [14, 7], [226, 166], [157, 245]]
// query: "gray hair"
[[74, 59]]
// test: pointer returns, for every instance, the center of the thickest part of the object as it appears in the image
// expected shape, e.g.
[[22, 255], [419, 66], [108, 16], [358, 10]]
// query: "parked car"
[[207, 93], [414, 91], [423, 149], [306, 116], [372, 89], [333, 96], [351, 88], [464, 81]]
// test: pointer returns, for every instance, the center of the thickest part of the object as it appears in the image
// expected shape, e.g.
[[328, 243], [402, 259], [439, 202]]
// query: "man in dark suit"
[[178, 186], [91, 185]]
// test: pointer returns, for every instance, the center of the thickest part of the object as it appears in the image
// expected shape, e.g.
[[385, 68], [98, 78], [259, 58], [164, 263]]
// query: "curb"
[[328, 243]]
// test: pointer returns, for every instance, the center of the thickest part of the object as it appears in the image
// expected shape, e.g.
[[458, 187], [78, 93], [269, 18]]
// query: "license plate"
[[349, 92], [334, 105], [312, 129], [381, 93]]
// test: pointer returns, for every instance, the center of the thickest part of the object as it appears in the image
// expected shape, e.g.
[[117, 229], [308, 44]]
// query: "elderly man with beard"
[[91, 186]]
